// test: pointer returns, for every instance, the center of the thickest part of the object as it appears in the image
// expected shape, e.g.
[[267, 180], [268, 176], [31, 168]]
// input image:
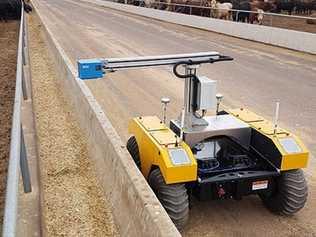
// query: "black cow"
[[11, 9], [296, 6], [285, 5], [4, 11], [27, 7], [243, 5]]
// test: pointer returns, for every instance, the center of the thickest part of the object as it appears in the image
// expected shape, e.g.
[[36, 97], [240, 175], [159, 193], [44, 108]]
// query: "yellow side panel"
[[246, 115], [294, 161], [176, 174], [155, 140], [266, 127], [147, 149]]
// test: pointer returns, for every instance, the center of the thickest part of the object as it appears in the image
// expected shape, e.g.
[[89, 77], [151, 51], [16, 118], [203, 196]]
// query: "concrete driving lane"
[[258, 77]]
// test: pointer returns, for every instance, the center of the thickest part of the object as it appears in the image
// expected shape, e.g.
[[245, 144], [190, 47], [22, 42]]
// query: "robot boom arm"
[[95, 68]]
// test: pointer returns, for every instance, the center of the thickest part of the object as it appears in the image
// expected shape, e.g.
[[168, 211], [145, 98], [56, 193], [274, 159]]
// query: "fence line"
[[17, 146], [232, 10]]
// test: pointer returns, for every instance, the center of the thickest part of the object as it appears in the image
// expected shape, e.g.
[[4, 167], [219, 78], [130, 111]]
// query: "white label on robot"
[[260, 185]]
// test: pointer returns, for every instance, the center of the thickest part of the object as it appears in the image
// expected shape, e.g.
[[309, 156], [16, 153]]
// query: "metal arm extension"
[[95, 68], [113, 64]]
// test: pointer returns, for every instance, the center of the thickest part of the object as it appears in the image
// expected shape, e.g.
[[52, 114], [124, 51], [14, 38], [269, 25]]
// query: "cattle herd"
[[251, 11]]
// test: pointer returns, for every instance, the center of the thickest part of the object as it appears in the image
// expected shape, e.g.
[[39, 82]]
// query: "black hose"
[[179, 75], [197, 62]]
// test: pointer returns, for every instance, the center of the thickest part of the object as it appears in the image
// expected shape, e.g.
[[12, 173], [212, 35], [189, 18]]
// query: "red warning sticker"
[[262, 184]]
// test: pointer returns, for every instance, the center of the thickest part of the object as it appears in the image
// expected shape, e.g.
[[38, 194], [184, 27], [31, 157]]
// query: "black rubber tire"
[[290, 195], [132, 148], [173, 197]]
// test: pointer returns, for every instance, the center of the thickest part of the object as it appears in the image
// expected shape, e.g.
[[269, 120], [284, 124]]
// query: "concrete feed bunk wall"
[[136, 210], [301, 41]]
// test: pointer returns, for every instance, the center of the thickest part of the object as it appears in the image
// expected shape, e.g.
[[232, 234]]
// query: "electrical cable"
[[197, 62]]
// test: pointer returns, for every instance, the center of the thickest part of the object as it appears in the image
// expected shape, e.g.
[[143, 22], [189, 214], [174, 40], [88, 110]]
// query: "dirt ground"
[[8, 48], [73, 203]]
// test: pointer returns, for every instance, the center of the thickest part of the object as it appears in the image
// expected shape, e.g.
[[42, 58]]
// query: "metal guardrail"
[[191, 7], [17, 158]]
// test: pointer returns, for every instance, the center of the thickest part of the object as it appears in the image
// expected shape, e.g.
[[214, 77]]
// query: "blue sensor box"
[[90, 69]]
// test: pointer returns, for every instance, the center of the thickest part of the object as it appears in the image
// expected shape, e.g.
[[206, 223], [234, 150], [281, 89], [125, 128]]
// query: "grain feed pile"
[[73, 204], [8, 48]]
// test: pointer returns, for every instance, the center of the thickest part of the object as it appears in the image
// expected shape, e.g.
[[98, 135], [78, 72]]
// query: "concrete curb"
[[136, 209], [296, 40]]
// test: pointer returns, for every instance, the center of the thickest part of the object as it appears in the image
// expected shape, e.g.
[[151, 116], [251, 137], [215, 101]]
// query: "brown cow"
[[260, 6]]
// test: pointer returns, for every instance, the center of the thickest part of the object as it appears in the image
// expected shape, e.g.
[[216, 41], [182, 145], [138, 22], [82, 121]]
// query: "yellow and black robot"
[[230, 154]]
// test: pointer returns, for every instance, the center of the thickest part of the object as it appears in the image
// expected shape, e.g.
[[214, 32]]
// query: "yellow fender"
[[160, 147], [293, 153]]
